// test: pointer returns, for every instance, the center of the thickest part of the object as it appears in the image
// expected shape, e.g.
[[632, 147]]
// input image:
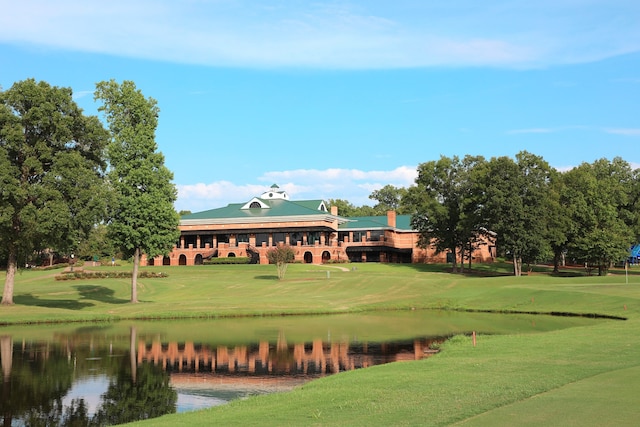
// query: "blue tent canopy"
[[635, 251]]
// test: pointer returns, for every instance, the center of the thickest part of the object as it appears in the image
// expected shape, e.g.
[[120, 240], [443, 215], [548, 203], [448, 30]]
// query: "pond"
[[112, 373]]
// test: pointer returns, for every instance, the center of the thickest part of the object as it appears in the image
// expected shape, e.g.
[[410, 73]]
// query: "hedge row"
[[76, 275], [54, 266], [227, 260]]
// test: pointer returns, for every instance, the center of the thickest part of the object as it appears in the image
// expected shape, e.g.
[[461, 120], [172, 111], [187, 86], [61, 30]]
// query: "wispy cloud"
[[350, 184], [81, 94], [624, 131], [531, 130], [331, 33]]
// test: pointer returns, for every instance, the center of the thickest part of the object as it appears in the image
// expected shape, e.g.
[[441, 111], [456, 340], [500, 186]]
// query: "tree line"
[[65, 177], [589, 214], [70, 185]]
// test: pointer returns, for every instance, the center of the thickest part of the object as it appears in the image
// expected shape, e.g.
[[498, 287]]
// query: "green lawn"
[[576, 376]]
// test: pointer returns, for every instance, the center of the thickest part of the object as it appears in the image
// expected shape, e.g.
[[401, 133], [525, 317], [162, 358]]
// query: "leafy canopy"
[[51, 173]]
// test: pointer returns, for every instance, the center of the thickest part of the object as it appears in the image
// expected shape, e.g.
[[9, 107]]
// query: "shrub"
[[281, 256], [79, 275], [227, 260]]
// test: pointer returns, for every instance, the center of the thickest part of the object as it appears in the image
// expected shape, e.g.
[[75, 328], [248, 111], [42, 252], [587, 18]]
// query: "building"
[[317, 234]]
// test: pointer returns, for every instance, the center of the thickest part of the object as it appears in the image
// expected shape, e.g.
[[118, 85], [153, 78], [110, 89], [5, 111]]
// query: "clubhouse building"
[[317, 234]]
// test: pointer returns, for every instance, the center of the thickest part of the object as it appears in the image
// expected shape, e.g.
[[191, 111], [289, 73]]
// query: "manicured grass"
[[550, 378]]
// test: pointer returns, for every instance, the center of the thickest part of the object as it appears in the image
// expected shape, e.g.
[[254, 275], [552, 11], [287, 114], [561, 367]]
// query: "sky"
[[335, 99]]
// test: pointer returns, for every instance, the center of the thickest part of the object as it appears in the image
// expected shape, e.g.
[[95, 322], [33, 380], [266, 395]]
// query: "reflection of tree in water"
[[34, 387], [33, 390], [126, 399]]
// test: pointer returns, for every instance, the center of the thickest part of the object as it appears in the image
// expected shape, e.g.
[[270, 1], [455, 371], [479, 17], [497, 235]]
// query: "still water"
[[111, 373]]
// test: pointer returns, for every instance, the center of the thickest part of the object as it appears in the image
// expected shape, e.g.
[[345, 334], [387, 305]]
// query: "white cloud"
[[350, 184], [331, 33]]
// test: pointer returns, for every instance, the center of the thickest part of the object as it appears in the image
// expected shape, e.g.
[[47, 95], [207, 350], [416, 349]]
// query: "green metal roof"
[[287, 208], [403, 222], [276, 208]]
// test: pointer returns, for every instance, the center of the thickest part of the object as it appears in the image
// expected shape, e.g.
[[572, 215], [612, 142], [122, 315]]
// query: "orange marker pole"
[[474, 338]]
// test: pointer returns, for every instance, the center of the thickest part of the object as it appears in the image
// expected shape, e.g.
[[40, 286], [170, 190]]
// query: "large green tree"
[[601, 199], [143, 218], [446, 213], [51, 173], [514, 203]]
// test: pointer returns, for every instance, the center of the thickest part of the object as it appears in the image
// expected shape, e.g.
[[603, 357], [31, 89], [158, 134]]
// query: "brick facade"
[[317, 236]]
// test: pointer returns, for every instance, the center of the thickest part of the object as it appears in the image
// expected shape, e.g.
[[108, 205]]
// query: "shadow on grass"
[[29, 299], [266, 277], [477, 270], [99, 293]]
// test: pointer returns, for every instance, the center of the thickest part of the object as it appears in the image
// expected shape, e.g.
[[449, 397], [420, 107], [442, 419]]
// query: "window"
[[242, 238], [377, 235], [278, 238], [294, 238], [208, 238], [254, 205], [312, 236], [189, 240], [262, 238], [359, 236]]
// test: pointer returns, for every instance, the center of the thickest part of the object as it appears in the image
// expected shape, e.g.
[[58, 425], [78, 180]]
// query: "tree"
[[142, 218], [348, 209], [51, 173], [601, 200], [514, 205], [445, 209], [389, 199], [281, 256], [559, 224], [97, 243]]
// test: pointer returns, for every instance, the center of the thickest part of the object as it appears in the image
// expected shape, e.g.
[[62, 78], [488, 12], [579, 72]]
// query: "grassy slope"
[[504, 380]]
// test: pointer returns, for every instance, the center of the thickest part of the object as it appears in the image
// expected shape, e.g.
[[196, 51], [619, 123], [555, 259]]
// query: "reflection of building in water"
[[316, 358]]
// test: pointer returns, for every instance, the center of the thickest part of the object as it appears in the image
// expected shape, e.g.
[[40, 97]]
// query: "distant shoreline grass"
[[491, 384]]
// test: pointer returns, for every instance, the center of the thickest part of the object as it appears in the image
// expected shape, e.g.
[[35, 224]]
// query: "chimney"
[[391, 218], [334, 210]]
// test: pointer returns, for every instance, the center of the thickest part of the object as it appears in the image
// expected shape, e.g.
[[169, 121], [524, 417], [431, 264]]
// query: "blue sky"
[[334, 99]]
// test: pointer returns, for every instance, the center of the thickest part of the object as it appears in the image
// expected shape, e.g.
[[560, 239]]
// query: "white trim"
[[262, 204], [262, 219]]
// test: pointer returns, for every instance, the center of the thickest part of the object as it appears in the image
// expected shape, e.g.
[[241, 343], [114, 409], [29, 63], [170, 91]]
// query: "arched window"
[[254, 205], [308, 257]]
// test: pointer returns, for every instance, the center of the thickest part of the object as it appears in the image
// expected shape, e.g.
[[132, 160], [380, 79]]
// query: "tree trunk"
[[517, 265], [6, 353], [12, 266], [470, 255], [454, 267], [556, 261], [462, 259], [133, 342], [134, 276]]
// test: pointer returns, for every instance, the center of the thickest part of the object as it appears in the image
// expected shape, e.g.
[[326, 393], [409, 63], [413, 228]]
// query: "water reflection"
[[62, 383], [94, 380], [105, 374]]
